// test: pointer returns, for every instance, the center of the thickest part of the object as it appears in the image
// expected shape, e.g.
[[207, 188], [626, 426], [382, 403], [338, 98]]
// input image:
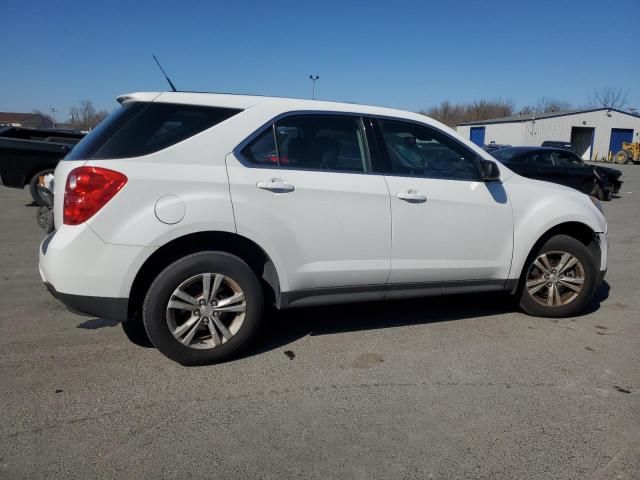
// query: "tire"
[[621, 157], [571, 303], [604, 194], [44, 217], [218, 332], [34, 189], [136, 333]]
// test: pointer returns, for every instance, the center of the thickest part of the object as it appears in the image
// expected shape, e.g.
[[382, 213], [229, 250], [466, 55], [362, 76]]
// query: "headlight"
[[597, 203]]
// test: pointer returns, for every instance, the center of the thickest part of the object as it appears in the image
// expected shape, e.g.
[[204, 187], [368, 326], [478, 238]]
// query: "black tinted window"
[[142, 128], [566, 159], [509, 157], [324, 142], [541, 158], [424, 152], [315, 142]]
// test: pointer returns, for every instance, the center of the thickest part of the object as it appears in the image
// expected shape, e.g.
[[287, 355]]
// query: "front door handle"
[[276, 185], [412, 196]]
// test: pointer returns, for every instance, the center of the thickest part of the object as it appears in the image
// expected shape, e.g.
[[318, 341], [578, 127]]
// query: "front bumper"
[[603, 243]]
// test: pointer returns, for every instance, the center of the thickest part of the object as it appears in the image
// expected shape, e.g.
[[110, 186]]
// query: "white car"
[[185, 215]]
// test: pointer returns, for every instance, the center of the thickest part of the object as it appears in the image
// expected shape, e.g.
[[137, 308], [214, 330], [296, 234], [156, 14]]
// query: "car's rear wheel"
[[559, 279], [136, 333], [203, 308]]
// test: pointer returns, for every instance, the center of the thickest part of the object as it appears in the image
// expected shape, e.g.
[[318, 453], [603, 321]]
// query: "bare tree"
[[453, 114], [546, 105], [85, 116], [608, 97]]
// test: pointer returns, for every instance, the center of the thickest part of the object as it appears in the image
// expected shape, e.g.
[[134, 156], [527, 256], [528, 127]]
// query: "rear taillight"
[[88, 189]]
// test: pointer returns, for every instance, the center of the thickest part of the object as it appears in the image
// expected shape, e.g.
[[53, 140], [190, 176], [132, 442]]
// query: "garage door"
[[477, 135], [619, 135]]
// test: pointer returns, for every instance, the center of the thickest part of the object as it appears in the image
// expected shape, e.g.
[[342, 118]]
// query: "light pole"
[[314, 78], [53, 116]]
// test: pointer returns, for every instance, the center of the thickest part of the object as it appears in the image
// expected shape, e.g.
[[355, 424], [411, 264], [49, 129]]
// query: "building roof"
[[538, 116], [16, 117]]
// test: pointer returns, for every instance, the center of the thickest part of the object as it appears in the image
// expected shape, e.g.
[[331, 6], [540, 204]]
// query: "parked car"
[[492, 147], [185, 214], [563, 167], [559, 144], [27, 154]]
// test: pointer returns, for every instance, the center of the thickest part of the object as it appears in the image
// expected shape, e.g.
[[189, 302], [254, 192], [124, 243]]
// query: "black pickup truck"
[[28, 153]]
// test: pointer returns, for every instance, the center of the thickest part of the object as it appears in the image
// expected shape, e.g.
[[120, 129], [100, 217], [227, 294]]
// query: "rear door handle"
[[276, 185], [412, 196]]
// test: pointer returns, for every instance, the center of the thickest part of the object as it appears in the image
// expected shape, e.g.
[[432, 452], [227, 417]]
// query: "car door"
[[575, 173], [447, 224], [303, 190], [544, 167]]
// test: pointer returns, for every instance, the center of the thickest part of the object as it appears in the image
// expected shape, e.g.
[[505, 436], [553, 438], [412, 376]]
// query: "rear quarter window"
[[138, 129]]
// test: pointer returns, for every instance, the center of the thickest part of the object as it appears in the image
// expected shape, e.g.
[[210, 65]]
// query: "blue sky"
[[393, 53]]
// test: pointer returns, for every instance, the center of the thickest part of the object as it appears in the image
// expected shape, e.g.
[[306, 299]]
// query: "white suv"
[[185, 214]]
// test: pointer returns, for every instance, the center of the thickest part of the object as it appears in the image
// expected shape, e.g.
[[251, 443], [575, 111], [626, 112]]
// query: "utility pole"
[[53, 116], [314, 78]]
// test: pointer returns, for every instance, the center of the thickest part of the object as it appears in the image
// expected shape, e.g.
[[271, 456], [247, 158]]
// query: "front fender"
[[540, 206]]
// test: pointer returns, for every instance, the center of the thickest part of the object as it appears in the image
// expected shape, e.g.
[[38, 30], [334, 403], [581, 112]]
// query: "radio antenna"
[[173, 88]]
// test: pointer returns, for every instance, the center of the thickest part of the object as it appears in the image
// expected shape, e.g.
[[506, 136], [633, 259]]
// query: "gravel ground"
[[458, 387]]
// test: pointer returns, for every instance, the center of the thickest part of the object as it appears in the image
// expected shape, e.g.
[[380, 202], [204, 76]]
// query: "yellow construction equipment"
[[630, 153]]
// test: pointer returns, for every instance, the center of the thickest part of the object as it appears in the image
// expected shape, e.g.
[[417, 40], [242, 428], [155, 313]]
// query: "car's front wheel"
[[203, 308], [560, 278]]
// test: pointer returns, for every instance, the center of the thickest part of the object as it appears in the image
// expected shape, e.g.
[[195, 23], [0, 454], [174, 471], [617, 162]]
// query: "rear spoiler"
[[138, 97]]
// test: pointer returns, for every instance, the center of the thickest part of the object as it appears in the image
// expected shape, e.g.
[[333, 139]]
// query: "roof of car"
[[518, 150], [232, 100]]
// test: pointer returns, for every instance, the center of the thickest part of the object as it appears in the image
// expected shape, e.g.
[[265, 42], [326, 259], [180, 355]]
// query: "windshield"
[[504, 154]]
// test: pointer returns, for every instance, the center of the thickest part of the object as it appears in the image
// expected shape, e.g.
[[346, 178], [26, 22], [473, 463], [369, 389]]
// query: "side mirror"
[[490, 171]]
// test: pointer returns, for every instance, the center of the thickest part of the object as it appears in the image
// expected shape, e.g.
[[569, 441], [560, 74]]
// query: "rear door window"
[[312, 142], [138, 129]]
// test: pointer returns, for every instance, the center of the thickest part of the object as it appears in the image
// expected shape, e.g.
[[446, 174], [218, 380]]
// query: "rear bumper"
[[101, 307], [88, 275]]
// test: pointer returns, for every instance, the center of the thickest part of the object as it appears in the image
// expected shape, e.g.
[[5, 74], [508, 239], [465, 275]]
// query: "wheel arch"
[[249, 251], [575, 229]]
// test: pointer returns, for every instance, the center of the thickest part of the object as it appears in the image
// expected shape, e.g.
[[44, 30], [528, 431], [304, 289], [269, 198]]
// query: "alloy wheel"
[[555, 279], [206, 310]]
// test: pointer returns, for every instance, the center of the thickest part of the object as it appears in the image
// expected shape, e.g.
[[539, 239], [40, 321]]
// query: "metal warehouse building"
[[593, 133]]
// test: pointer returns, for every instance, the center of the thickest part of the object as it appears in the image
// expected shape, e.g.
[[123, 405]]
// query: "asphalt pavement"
[[442, 388]]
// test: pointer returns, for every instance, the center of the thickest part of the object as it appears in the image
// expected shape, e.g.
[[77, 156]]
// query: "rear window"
[[138, 129]]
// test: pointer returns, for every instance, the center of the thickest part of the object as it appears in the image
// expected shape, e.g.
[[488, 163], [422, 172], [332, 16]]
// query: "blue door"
[[477, 135], [619, 135]]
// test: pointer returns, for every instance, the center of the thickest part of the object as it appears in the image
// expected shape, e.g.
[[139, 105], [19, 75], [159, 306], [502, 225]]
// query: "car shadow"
[[284, 327], [96, 323]]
